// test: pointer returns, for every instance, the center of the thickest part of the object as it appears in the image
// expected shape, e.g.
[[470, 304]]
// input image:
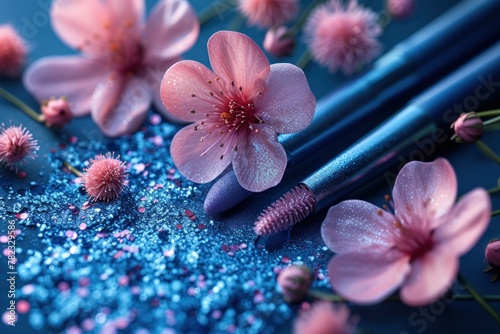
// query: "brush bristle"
[[290, 209]]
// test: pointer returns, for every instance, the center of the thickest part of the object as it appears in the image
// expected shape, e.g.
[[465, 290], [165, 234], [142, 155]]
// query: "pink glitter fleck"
[[157, 140], [217, 314], [155, 119], [21, 174], [4, 239], [285, 259], [141, 209], [71, 234], [123, 280], [23, 306], [63, 286], [139, 167], [8, 318], [88, 325], [82, 226]]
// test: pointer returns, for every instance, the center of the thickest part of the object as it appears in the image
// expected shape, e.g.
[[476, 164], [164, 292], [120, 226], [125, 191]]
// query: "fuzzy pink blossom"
[[417, 248], [325, 318], [13, 51], [56, 112], [343, 37], [269, 13], [238, 109], [16, 145], [105, 178], [279, 42], [400, 9], [123, 58]]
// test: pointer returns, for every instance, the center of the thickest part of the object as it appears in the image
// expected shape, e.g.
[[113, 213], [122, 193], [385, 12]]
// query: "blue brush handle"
[[425, 116]]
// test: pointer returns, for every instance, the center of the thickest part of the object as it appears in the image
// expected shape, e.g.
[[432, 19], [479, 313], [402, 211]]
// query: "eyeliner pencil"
[[464, 90], [430, 53]]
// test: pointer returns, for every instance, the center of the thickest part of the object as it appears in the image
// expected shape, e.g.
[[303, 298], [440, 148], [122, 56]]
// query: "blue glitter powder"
[[151, 261]]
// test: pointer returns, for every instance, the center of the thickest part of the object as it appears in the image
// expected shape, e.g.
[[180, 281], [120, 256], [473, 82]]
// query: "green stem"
[[303, 18], [488, 151], [304, 59], [72, 169], [495, 213], [477, 297], [236, 23], [215, 9], [20, 104], [494, 190], [491, 121], [488, 113]]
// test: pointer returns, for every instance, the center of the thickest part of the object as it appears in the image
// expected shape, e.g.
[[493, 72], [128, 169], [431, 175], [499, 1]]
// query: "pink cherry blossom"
[[123, 58], [343, 37], [238, 109], [13, 51], [417, 248], [269, 13]]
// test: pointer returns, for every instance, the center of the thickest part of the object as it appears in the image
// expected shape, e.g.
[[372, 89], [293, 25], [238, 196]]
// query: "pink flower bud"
[[278, 42], [294, 282], [56, 112], [492, 253], [468, 127], [400, 8], [12, 51]]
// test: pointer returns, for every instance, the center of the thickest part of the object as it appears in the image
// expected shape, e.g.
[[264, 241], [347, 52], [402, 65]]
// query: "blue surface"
[[237, 299]]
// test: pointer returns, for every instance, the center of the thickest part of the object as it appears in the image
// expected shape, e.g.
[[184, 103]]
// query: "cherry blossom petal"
[[424, 191], [288, 104], [353, 225], [235, 56], [466, 222], [171, 29], [183, 80], [430, 277], [73, 77], [119, 105], [187, 149], [368, 276], [79, 23], [260, 162]]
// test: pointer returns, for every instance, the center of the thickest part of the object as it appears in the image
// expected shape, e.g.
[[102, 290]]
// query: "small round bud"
[[400, 8], [468, 127], [56, 112], [279, 42], [492, 253], [294, 282]]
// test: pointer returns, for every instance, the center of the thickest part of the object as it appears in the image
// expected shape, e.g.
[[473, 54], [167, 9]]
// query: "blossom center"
[[117, 44], [413, 242], [232, 117]]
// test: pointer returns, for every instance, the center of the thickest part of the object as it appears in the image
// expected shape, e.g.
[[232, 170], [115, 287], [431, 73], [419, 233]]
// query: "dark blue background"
[[472, 167]]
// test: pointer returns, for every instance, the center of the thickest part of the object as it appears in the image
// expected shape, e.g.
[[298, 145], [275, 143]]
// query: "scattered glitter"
[[111, 267]]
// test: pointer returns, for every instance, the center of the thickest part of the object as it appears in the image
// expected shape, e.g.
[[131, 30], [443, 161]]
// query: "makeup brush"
[[430, 53], [407, 131]]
